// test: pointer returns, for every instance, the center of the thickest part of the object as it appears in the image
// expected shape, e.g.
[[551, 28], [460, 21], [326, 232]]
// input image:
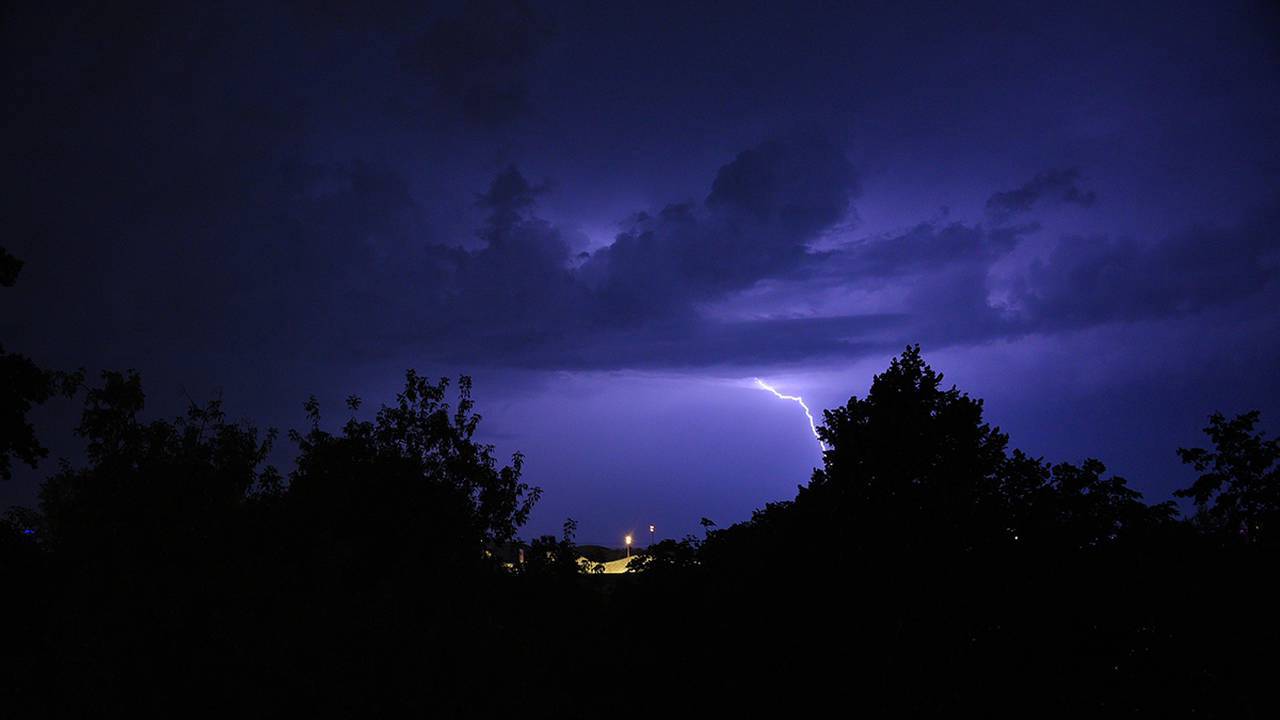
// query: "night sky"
[[615, 216]]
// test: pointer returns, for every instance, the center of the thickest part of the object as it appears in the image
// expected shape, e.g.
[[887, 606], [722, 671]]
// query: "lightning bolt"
[[813, 426]]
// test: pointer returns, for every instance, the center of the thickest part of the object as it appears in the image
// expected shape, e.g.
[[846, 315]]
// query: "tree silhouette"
[[924, 568], [1095, 512], [912, 465], [205, 567], [10, 266], [666, 557], [927, 567], [548, 556], [1237, 495], [152, 488], [414, 453], [23, 385]]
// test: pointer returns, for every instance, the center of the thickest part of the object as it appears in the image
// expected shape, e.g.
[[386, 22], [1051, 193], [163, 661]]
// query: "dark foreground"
[[925, 570]]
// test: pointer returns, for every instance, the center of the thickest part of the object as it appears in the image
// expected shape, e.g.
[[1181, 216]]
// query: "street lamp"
[[628, 541], [651, 536]]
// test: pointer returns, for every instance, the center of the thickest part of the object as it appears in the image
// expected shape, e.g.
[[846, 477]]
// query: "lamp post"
[[628, 541], [651, 528]]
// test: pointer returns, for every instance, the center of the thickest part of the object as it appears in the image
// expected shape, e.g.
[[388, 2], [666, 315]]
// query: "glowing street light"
[[628, 541], [651, 536]]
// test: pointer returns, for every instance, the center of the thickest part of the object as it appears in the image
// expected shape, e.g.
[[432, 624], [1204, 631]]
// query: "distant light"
[[628, 539], [650, 528]]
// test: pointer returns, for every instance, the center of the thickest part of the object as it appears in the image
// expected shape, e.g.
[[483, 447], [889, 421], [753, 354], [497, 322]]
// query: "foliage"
[[667, 556], [925, 568], [912, 463], [413, 477], [23, 385], [913, 466], [548, 556], [10, 266], [1237, 495], [158, 487]]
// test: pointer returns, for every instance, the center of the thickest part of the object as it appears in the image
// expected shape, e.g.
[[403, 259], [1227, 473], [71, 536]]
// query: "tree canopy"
[[1237, 494]]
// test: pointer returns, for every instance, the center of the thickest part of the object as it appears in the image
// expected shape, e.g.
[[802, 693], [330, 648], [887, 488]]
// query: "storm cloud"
[[663, 292], [278, 198], [1089, 280], [1060, 185]]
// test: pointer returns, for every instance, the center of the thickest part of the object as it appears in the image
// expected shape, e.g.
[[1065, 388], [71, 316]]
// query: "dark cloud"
[[945, 289], [764, 210], [797, 185], [928, 246], [934, 278], [644, 299], [1088, 280], [186, 222], [709, 342], [281, 198], [516, 290], [481, 55], [198, 186], [761, 214], [521, 297], [1058, 185]]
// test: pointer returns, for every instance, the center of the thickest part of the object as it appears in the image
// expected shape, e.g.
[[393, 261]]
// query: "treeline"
[[927, 568]]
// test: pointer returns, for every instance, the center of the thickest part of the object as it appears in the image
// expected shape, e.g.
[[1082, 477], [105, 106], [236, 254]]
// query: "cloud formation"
[[734, 279], [1054, 185], [763, 210], [1088, 280], [636, 300]]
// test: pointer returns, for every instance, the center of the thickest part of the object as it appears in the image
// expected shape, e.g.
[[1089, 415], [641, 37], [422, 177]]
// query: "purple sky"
[[614, 216]]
